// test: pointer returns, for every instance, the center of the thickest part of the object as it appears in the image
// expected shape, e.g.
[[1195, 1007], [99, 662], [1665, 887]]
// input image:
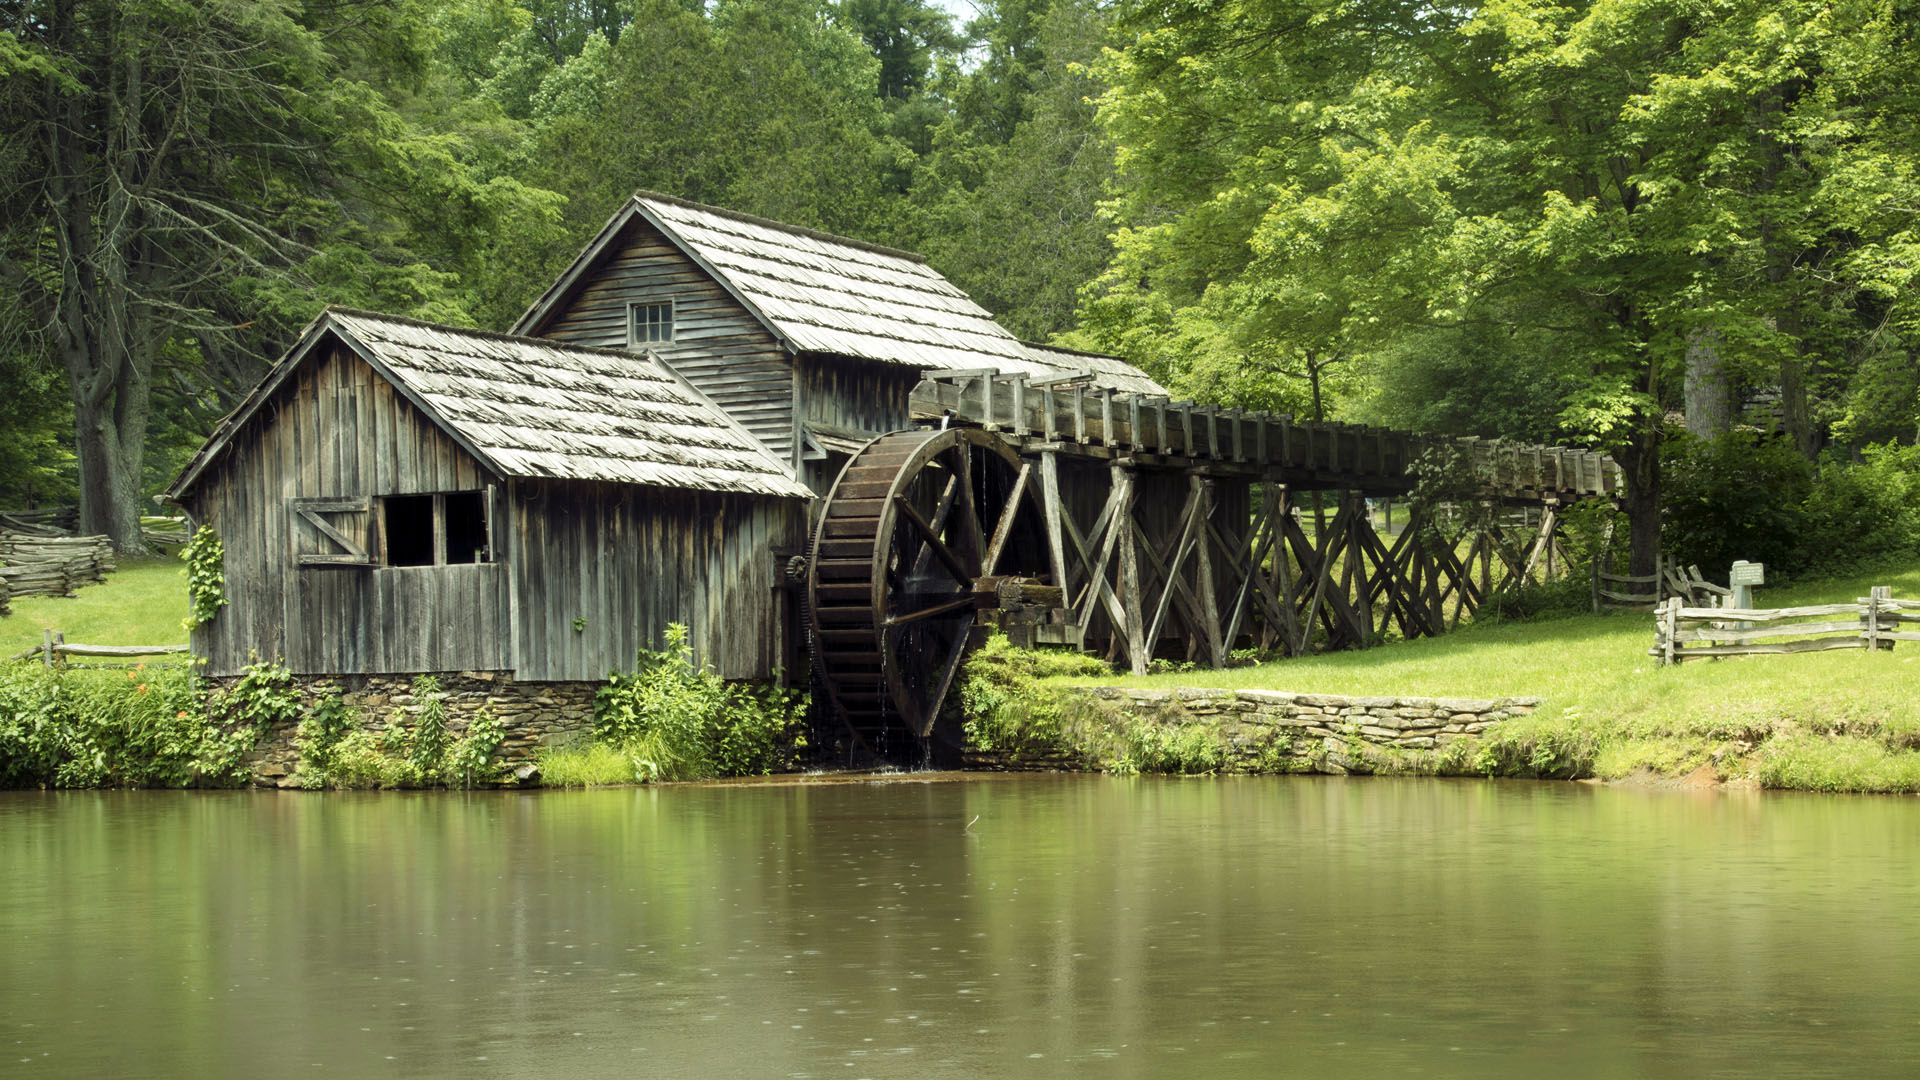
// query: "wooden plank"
[[1138, 645], [1789, 630], [1209, 604], [1815, 645]]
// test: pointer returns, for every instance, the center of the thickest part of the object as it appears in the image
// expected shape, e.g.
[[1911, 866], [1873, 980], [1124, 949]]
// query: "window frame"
[[634, 323], [489, 546]]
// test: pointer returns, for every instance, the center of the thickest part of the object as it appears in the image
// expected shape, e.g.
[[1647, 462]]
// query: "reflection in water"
[[1081, 926]]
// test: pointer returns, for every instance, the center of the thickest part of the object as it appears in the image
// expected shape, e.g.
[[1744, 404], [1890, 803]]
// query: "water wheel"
[[914, 537]]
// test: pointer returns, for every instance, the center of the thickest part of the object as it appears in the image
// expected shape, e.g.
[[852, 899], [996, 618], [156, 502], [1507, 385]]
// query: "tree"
[[183, 180], [766, 107], [1604, 182], [1017, 223]]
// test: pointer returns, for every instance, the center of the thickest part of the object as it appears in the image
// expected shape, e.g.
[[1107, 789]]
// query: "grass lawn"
[[141, 603], [1843, 720]]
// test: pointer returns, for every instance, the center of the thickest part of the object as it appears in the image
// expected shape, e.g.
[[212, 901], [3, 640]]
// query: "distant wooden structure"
[[401, 497]]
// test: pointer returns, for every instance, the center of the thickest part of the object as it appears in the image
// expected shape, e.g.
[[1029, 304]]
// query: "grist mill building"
[[520, 513]]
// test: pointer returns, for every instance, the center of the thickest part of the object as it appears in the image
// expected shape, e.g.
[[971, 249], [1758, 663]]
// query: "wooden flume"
[[1138, 527]]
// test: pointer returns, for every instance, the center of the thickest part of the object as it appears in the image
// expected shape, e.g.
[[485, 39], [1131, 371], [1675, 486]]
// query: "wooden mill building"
[[399, 497]]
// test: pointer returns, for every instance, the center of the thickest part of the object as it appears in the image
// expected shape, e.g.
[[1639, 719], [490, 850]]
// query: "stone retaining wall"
[[1321, 732], [533, 714]]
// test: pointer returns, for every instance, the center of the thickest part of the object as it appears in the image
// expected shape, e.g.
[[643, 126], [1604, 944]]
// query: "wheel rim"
[[897, 574]]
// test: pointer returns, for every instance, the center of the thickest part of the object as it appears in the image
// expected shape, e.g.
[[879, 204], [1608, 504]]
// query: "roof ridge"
[[491, 335], [781, 226]]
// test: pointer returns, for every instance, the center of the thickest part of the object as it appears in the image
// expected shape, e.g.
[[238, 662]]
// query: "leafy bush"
[[335, 752], [1861, 512], [426, 745], [1734, 497], [469, 760], [134, 728], [679, 721], [1005, 709]]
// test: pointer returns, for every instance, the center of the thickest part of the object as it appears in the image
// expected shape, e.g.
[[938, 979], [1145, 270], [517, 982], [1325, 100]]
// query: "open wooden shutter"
[[333, 532]]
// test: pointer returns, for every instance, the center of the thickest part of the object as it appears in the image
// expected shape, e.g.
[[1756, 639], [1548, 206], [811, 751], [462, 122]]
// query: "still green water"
[[1006, 926]]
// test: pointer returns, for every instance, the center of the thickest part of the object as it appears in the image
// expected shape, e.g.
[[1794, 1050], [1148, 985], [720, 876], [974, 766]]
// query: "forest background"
[[1685, 232]]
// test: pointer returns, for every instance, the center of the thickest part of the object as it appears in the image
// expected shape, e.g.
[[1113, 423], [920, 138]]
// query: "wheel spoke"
[[933, 542], [941, 512], [969, 540], [963, 603]]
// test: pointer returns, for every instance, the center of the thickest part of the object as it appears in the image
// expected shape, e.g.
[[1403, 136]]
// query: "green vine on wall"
[[206, 560]]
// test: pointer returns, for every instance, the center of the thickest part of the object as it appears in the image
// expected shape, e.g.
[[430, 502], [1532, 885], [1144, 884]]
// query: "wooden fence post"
[[1670, 629], [46, 648], [1876, 595]]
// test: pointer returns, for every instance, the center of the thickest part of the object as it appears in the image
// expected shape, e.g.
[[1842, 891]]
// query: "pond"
[[978, 926]]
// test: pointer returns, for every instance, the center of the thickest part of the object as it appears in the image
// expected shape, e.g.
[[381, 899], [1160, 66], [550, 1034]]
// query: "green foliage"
[[336, 752], [1006, 711], [679, 721], [262, 698], [134, 728], [1735, 497], [589, 764], [470, 759], [1857, 513], [1158, 748], [319, 737], [1738, 497], [428, 739], [206, 574]]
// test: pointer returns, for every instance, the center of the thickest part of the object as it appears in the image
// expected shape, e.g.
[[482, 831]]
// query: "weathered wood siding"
[[337, 429], [717, 343], [862, 395], [628, 561]]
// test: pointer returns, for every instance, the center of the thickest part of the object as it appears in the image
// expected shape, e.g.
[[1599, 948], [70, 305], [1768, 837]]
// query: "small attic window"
[[649, 324]]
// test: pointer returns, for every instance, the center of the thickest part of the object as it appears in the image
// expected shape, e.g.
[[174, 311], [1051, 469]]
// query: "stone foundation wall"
[[533, 714], [1321, 732]]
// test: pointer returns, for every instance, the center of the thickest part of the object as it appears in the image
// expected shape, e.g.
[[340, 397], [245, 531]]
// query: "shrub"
[[1734, 497], [1005, 709], [144, 727], [1861, 512], [469, 760], [426, 745], [679, 721]]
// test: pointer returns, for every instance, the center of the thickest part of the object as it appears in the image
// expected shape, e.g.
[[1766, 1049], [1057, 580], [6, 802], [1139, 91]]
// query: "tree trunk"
[[1709, 393], [1640, 459]]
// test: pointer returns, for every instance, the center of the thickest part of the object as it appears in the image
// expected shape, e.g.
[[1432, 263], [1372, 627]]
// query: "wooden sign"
[[1747, 573]]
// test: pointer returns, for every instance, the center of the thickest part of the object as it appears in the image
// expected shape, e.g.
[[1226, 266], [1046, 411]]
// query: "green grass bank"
[[1835, 721]]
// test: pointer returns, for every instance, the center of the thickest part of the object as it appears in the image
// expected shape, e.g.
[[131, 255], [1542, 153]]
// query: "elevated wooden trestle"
[[1139, 527]]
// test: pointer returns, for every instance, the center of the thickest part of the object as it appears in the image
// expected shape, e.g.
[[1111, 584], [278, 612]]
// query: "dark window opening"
[[466, 517], [650, 323], [408, 526]]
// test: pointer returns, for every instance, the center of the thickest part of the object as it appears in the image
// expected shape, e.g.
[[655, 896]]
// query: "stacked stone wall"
[[532, 714], [1328, 733]]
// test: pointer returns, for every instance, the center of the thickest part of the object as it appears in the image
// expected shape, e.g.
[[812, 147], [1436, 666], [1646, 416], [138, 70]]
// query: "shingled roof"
[[822, 293], [527, 407]]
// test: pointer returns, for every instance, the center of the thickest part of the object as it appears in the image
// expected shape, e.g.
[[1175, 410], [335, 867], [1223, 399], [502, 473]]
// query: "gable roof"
[[532, 408], [816, 292]]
